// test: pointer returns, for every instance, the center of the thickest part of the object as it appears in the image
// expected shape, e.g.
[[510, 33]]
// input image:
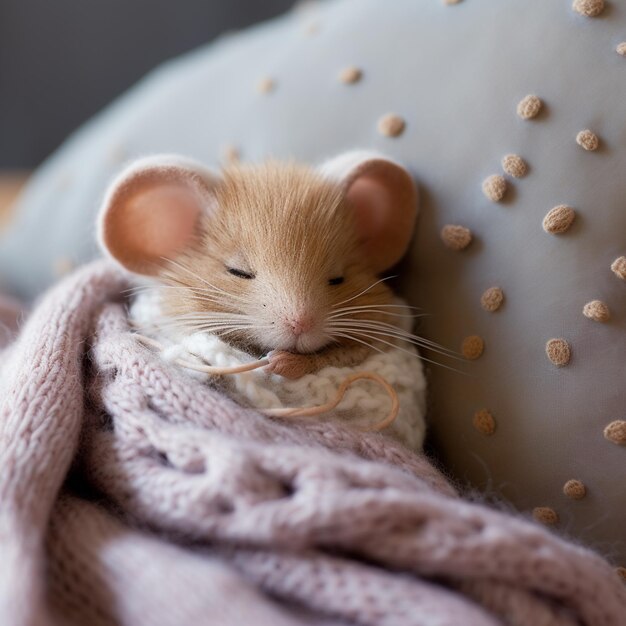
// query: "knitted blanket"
[[131, 493]]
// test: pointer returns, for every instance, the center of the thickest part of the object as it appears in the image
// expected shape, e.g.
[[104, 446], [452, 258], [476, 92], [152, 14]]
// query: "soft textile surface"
[[181, 507]]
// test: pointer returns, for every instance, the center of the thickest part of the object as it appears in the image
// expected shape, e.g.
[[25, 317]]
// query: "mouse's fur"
[[290, 228], [278, 259]]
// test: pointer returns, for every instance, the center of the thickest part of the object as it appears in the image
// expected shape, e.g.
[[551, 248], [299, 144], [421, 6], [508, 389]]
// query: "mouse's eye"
[[336, 281], [240, 273]]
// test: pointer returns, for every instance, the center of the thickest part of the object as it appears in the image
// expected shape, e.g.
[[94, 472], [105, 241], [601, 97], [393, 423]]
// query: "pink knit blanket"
[[131, 493]]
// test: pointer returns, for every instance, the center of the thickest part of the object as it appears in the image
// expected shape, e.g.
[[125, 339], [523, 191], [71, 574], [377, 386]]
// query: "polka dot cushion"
[[511, 117]]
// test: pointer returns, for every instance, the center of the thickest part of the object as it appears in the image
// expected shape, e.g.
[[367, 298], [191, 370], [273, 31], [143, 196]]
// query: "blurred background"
[[61, 61]]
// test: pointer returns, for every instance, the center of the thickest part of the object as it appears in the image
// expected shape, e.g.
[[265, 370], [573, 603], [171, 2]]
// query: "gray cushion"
[[454, 74]]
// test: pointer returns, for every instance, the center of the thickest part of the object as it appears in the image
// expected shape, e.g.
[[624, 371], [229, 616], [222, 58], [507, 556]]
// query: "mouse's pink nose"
[[300, 324]]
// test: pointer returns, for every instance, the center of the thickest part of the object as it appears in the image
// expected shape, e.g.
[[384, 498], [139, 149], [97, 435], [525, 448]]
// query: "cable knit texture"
[[131, 493]]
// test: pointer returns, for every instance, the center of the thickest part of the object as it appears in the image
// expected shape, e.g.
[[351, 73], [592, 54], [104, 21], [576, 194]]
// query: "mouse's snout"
[[300, 323], [298, 329]]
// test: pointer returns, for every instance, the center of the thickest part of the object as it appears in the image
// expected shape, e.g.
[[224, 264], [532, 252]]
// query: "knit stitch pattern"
[[131, 493]]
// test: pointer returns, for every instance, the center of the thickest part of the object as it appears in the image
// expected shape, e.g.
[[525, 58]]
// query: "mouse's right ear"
[[383, 199], [152, 210]]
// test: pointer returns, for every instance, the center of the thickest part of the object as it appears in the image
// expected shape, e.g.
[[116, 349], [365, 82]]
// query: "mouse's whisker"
[[381, 306], [203, 281], [364, 291], [190, 330], [219, 294], [189, 292], [206, 295], [434, 344], [193, 293], [209, 322], [212, 300], [136, 289], [407, 339], [373, 322], [208, 315], [189, 271], [181, 286], [211, 326], [396, 347], [208, 325], [411, 340], [385, 327], [391, 331], [198, 277], [332, 335], [234, 330], [365, 311]]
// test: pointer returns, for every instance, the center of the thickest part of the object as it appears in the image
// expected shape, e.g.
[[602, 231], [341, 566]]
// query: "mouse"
[[277, 258]]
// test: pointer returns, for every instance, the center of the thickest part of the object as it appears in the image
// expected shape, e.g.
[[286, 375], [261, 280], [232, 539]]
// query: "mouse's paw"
[[288, 364]]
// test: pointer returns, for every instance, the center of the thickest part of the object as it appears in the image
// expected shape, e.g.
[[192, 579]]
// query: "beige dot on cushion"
[[391, 125], [616, 432], [588, 140], [545, 515], [456, 237], [230, 153], [619, 267], [472, 347], [492, 299], [350, 75], [312, 28], [62, 266], [590, 8], [559, 219], [514, 166], [494, 187], [621, 48], [266, 85], [558, 351], [529, 107], [574, 489], [484, 422], [597, 311], [451, 1]]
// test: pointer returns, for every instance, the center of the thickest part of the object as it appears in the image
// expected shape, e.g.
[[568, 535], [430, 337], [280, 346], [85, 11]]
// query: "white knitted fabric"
[[365, 402]]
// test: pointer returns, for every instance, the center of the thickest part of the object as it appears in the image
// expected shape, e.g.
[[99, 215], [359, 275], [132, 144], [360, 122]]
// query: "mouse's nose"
[[300, 324]]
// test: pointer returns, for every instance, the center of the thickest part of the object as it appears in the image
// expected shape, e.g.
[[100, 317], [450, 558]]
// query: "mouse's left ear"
[[383, 197], [153, 209]]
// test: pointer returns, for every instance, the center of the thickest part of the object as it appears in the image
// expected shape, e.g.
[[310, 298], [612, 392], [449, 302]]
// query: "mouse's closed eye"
[[240, 273], [339, 280]]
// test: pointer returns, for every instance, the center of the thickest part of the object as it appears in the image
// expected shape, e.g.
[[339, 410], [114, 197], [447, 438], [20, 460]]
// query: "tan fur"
[[293, 230]]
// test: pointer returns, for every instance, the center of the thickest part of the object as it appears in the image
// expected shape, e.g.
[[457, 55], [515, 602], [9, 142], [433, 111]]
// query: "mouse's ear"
[[151, 211], [383, 197]]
